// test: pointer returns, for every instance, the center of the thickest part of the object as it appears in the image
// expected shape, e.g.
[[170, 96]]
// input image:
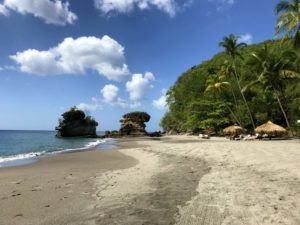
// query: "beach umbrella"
[[271, 129], [233, 130]]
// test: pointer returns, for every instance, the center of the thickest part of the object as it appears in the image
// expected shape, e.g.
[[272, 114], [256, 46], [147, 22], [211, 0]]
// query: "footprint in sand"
[[3, 198], [70, 176], [17, 182], [64, 198], [36, 188], [69, 184], [14, 193]]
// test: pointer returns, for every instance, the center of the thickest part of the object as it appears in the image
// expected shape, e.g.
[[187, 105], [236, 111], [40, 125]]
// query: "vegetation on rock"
[[75, 123], [141, 116], [134, 124]]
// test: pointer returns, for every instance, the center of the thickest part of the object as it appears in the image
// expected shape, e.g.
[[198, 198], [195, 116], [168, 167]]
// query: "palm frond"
[[284, 6], [248, 86], [288, 21], [297, 39], [289, 74], [240, 45]]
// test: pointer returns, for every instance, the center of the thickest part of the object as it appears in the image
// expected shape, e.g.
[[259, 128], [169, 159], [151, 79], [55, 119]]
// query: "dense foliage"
[[75, 114], [74, 123], [258, 82], [138, 116], [288, 21]]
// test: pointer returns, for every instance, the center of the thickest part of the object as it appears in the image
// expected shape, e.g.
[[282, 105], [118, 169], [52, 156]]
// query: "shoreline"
[[180, 180], [34, 157], [57, 188]]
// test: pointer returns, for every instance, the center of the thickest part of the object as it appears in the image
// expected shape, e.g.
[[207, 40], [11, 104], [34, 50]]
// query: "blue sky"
[[110, 57]]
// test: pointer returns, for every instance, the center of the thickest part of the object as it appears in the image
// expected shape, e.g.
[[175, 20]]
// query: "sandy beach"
[[172, 180]]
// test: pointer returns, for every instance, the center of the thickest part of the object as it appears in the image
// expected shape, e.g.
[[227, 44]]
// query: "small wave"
[[20, 157], [30, 155], [94, 143], [87, 146]]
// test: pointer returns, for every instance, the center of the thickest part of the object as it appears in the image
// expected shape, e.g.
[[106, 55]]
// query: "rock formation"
[[133, 124], [75, 123]]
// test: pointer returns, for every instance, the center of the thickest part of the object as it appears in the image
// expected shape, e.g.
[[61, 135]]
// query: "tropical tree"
[[232, 47], [226, 71], [288, 21], [273, 70], [217, 87]]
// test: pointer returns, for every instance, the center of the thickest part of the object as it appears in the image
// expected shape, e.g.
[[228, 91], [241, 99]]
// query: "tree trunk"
[[282, 109], [234, 116], [237, 108], [245, 101]]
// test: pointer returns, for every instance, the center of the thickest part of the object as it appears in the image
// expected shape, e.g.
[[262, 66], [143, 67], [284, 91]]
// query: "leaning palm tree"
[[226, 71], [288, 21], [232, 47], [216, 87], [273, 70]]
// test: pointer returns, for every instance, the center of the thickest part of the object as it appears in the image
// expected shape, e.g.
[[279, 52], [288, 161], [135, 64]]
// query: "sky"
[[110, 57]]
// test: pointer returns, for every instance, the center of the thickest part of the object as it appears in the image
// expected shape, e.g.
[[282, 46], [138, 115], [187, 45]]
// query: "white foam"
[[31, 155], [94, 144], [87, 146], [20, 157]]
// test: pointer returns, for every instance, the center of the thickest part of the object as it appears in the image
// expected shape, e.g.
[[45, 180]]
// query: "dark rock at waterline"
[[111, 134], [155, 134], [75, 123]]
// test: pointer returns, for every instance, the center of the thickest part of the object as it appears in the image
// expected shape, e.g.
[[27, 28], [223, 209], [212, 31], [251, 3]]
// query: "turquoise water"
[[19, 147]]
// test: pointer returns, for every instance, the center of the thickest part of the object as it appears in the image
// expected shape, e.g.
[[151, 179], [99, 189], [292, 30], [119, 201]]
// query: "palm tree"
[[216, 87], [288, 21], [273, 69], [227, 71], [232, 46]]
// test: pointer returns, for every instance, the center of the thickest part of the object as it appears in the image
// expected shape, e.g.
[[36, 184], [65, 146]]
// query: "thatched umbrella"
[[233, 130], [271, 129]]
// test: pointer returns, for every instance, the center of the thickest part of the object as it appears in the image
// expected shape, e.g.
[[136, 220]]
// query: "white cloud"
[[149, 76], [136, 87], [1, 68], [139, 85], [51, 11], [76, 56], [110, 93], [223, 4], [187, 4], [125, 6], [161, 103], [246, 38], [88, 107], [3, 10]]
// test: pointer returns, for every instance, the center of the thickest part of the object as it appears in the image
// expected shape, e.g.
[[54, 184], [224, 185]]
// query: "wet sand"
[[171, 180], [57, 189]]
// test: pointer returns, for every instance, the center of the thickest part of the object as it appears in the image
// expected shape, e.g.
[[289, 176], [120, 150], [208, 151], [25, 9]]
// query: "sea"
[[19, 147]]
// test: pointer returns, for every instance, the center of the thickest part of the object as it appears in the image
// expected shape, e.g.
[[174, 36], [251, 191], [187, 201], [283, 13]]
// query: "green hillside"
[[193, 107]]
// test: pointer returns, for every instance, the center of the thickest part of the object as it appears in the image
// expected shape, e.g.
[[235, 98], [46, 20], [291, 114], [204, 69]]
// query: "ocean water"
[[22, 147]]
